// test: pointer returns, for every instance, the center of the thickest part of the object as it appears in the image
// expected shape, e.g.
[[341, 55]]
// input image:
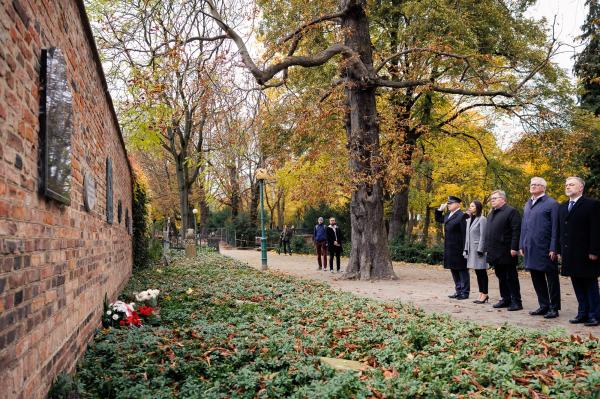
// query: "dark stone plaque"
[[127, 221], [56, 126], [119, 211], [109, 192]]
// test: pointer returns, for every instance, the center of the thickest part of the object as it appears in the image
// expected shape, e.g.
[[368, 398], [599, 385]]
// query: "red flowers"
[[134, 319], [146, 311]]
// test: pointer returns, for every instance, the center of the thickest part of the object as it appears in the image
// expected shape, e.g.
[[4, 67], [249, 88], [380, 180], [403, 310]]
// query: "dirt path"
[[427, 287]]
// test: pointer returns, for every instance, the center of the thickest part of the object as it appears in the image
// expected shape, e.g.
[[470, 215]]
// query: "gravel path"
[[427, 287]]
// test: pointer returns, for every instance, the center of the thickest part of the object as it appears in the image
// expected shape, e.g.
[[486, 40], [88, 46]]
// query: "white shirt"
[[452, 213], [574, 201], [534, 199]]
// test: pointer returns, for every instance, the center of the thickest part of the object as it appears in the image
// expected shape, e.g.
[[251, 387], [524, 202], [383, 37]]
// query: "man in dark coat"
[[455, 228], [502, 248], [335, 238], [579, 248], [538, 246]]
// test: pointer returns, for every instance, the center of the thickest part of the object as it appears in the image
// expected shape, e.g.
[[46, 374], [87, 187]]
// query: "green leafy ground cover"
[[229, 331]]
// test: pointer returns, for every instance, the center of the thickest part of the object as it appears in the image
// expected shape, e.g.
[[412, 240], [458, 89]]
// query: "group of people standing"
[[328, 239], [548, 233]]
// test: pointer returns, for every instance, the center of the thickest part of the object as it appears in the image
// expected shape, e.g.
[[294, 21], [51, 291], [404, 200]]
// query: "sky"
[[570, 15]]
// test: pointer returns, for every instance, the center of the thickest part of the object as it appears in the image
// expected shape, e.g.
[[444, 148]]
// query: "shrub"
[[141, 237], [300, 245], [64, 387], [412, 252]]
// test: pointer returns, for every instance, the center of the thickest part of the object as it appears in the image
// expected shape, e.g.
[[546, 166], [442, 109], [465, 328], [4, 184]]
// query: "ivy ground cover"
[[229, 331]]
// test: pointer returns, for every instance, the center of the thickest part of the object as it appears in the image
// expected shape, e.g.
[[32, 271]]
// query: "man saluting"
[[455, 228]]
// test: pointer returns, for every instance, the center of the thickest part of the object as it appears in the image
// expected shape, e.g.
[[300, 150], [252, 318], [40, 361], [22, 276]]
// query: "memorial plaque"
[[89, 192], [127, 221], [119, 211], [56, 126], [109, 192]]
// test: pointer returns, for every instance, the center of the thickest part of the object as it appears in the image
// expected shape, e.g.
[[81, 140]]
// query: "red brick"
[[55, 245]]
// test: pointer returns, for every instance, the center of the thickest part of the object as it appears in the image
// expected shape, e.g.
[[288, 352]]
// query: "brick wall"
[[56, 262]]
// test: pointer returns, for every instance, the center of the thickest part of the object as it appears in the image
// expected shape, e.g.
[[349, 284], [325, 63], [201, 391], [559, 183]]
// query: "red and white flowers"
[[121, 314]]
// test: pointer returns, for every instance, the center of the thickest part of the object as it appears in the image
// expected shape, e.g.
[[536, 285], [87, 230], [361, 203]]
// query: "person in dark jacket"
[[286, 238], [579, 247], [335, 238], [455, 228], [320, 240], [538, 247], [502, 249]]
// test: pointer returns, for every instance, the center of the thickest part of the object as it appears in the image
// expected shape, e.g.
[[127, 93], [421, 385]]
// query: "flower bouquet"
[[149, 297], [120, 314]]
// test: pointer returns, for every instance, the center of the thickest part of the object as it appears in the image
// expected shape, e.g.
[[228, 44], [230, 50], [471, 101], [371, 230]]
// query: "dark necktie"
[[571, 203]]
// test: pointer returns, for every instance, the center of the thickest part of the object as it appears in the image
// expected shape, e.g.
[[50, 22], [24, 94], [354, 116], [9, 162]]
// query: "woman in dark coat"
[[474, 247], [455, 228]]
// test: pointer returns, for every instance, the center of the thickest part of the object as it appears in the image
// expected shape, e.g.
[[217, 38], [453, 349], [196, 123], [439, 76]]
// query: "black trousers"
[[462, 281], [482, 280], [547, 288], [286, 247], [337, 252], [508, 279], [588, 296]]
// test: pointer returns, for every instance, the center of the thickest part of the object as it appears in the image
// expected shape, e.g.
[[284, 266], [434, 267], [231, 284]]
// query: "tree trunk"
[[370, 258], [399, 211], [426, 224], [203, 211], [428, 190], [254, 203], [235, 191], [281, 209], [183, 192]]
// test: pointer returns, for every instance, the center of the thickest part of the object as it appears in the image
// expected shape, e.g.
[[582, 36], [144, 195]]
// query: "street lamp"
[[261, 176], [195, 211]]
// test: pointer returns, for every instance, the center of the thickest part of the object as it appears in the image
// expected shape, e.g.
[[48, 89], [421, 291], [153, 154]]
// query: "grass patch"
[[239, 333]]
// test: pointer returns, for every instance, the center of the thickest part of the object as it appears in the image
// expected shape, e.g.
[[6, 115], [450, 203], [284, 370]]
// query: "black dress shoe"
[[500, 304], [453, 295], [592, 323], [578, 320], [461, 297], [552, 314], [515, 306], [539, 312]]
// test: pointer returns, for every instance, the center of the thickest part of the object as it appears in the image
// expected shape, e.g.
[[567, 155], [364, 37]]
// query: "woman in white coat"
[[474, 244]]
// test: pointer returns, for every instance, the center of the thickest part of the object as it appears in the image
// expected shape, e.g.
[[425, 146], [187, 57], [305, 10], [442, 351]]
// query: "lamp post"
[[195, 211], [261, 176]]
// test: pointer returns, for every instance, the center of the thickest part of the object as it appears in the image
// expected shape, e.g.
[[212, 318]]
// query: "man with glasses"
[[579, 248], [502, 246], [538, 247]]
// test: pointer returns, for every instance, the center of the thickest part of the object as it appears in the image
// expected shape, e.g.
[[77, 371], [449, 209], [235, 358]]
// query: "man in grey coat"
[[538, 246]]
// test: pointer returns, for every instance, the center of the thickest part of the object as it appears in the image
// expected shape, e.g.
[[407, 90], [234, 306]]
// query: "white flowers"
[[147, 295], [115, 317], [108, 312], [121, 307]]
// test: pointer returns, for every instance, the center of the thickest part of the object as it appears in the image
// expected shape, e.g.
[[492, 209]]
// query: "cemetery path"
[[427, 287]]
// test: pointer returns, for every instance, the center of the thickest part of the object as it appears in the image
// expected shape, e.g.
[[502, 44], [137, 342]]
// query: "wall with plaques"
[[65, 193]]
